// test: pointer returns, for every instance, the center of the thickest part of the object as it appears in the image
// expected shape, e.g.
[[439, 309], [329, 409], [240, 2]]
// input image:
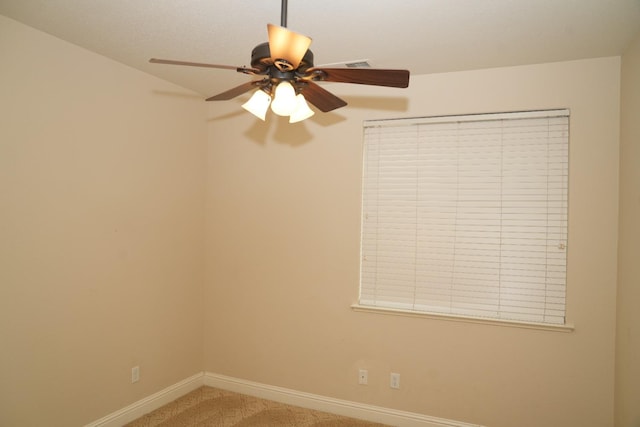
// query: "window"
[[467, 215]]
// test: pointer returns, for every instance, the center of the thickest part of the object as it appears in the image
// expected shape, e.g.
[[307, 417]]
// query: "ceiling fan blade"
[[199, 64], [236, 91], [287, 45], [324, 100], [363, 76]]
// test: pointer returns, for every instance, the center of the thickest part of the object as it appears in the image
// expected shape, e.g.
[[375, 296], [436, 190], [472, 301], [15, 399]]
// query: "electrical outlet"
[[135, 374], [363, 377], [395, 380]]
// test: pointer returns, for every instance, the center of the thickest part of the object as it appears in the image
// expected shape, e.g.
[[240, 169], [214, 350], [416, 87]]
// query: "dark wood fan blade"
[[198, 64], [238, 90], [324, 100], [363, 76]]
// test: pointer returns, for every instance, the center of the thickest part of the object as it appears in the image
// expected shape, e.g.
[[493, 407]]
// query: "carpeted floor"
[[211, 407]]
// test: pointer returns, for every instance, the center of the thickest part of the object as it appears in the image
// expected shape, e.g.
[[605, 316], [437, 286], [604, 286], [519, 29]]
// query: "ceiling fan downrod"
[[283, 14]]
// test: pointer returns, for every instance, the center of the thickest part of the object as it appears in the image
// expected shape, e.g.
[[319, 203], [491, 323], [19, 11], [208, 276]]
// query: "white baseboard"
[[328, 404], [279, 394], [150, 403]]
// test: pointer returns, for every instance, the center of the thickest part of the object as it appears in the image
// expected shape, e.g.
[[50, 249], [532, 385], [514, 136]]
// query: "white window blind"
[[467, 215]]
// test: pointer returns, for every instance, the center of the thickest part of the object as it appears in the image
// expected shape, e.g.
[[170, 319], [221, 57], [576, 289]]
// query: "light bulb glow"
[[258, 104], [302, 110], [284, 99]]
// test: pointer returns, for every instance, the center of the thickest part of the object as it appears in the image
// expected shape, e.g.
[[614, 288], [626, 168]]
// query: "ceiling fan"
[[289, 77]]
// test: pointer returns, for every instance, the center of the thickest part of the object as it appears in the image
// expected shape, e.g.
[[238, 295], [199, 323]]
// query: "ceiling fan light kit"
[[289, 77]]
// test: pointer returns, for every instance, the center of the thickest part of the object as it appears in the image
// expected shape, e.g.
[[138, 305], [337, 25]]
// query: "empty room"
[[442, 230]]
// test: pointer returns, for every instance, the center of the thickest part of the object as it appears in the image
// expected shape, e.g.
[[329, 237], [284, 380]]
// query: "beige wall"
[[628, 333], [102, 177], [283, 206], [101, 219]]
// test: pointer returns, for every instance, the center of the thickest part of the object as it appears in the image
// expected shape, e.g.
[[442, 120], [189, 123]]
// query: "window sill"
[[455, 318]]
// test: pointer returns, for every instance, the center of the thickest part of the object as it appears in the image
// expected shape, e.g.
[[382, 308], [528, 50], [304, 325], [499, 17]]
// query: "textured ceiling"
[[424, 36]]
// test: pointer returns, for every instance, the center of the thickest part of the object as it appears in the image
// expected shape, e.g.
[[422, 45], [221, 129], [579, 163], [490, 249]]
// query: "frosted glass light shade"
[[258, 104], [284, 99], [302, 110]]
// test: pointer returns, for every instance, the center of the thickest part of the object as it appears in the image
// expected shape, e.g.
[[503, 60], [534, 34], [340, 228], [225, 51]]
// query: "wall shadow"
[[297, 134], [386, 103], [174, 94]]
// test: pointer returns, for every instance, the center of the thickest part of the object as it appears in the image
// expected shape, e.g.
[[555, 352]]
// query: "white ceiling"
[[424, 36]]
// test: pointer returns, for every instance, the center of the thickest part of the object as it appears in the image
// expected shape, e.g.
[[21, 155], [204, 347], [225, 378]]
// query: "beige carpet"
[[213, 407]]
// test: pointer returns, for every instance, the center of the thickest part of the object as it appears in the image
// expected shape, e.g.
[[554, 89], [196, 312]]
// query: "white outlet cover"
[[395, 380], [135, 374], [363, 376]]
